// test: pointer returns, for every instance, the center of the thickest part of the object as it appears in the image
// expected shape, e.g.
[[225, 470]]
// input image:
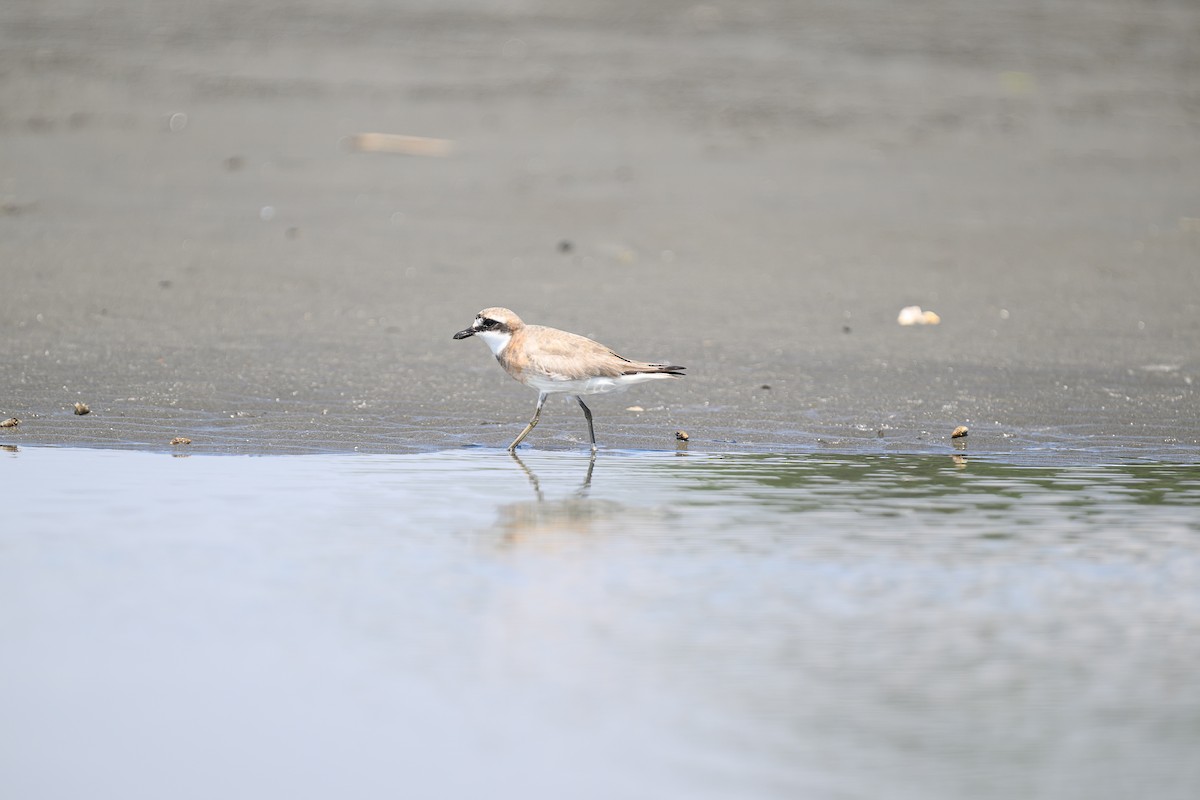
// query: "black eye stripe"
[[488, 323]]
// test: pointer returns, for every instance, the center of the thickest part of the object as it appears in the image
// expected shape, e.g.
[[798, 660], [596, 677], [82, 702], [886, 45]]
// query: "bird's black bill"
[[465, 334]]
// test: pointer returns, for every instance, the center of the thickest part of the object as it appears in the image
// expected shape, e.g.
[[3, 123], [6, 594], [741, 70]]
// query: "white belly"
[[590, 385]]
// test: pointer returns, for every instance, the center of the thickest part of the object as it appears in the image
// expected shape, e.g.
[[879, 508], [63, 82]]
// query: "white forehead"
[[499, 314]]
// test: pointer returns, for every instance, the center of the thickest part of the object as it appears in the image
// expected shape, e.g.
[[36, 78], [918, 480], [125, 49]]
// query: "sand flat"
[[189, 244]]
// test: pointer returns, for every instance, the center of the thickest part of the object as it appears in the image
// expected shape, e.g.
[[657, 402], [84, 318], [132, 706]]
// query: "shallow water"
[[466, 624]]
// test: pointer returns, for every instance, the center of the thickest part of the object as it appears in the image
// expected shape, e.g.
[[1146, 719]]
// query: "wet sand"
[[189, 245]]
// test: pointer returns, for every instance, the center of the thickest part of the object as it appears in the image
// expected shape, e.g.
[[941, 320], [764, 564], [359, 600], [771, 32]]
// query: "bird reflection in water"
[[576, 513]]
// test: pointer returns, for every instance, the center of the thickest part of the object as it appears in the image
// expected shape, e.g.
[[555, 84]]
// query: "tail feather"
[[664, 369]]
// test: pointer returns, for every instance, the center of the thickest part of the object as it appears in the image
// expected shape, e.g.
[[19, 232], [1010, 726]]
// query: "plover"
[[558, 362]]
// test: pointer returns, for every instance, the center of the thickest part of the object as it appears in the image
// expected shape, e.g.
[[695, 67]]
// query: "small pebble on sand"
[[181, 440], [82, 408], [915, 315]]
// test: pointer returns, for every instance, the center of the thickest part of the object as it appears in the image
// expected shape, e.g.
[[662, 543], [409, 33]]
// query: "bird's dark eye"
[[487, 324]]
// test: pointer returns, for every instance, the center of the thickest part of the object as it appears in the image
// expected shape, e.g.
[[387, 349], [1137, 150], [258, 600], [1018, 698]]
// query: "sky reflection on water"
[[651, 624]]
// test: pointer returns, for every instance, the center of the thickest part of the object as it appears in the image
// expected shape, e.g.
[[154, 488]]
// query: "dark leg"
[[537, 413], [587, 412]]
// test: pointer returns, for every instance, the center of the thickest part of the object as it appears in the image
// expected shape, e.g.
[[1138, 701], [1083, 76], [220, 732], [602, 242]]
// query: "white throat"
[[495, 340]]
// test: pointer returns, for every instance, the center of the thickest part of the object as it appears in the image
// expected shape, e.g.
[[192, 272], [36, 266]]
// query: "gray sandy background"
[[753, 189]]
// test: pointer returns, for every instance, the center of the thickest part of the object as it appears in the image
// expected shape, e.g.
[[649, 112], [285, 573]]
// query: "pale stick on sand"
[[401, 145]]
